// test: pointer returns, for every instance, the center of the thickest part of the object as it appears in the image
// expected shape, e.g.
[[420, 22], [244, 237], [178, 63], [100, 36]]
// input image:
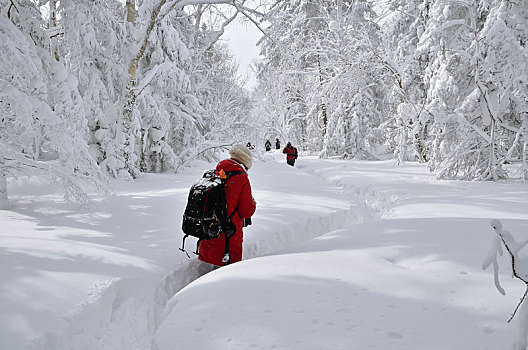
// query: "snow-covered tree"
[[469, 83], [43, 126], [282, 75], [225, 102], [166, 98], [408, 130], [92, 42], [327, 55], [141, 66], [356, 85]]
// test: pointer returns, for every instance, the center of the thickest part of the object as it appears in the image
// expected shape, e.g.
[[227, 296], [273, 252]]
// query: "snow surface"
[[341, 255]]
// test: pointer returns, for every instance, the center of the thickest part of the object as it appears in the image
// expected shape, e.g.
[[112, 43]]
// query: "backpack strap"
[[233, 172], [226, 259], [197, 247], [233, 213], [183, 246], [233, 161]]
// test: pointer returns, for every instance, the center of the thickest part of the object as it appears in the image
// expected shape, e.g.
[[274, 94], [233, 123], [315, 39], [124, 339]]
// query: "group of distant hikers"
[[289, 150], [220, 204]]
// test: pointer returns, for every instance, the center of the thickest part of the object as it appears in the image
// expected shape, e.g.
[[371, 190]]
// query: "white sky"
[[242, 39]]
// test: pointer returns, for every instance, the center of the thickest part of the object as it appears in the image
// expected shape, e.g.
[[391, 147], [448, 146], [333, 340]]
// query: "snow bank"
[[124, 313], [365, 255]]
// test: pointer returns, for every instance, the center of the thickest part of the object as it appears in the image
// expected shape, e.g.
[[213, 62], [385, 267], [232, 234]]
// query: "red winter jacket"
[[291, 152], [238, 192]]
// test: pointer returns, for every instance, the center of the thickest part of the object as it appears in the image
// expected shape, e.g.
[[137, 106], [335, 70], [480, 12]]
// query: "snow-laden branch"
[[202, 151], [150, 27], [214, 36], [73, 189], [165, 7], [448, 24]]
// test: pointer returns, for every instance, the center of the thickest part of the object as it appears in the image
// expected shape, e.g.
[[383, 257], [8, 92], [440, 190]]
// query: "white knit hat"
[[242, 155]]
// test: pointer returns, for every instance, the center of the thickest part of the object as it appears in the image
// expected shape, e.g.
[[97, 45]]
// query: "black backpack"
[[206, 215]]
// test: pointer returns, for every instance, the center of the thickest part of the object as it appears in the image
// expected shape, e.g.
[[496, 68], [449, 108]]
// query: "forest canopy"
[[111, 89]]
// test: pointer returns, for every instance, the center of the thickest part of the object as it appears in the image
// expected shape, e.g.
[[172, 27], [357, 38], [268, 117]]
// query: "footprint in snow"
[[394, 335], [488, 330]]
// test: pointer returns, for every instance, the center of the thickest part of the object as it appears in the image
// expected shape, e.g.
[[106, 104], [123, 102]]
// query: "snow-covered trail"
[[101, 277], [410, 280]]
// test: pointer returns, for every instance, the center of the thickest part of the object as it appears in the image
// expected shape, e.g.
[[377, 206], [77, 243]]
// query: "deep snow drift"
[[344, 255]]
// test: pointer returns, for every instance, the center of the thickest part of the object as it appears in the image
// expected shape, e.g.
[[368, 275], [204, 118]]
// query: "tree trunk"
[[4, 201], [420, 151], [323, 105], [131, 20], [402, 122], [130, 100], [402, 146], [524, 171], [127, 124], [52, 26], [492, 161]]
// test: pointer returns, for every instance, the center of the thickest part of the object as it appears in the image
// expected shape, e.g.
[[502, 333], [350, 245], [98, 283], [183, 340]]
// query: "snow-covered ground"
[[341, 255]]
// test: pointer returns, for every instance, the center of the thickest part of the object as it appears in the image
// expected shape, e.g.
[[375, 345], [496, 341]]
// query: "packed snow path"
[[411, 280], [101, 278]]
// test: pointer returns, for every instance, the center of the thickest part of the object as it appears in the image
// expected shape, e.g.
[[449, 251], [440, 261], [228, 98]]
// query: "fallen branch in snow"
[[9, 10], [519, 305], [513, 248]]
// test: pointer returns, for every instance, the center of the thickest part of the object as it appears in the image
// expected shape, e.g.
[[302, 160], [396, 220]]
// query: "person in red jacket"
[[239, 197], [291, 154]]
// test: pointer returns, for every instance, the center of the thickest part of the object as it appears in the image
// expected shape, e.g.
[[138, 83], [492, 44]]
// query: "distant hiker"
[[291, 154], [240, 204], [268, 145], [277, 144], [250, 146]]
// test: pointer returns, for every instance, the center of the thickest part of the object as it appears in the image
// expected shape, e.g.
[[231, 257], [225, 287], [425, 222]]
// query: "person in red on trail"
[[291, 154], [238, 199]]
